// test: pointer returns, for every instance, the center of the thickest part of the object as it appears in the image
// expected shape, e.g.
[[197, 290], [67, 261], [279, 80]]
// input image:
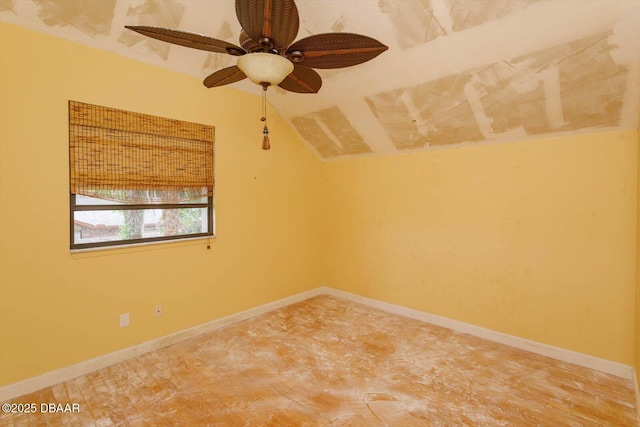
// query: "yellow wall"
[[638, 269], [57, 309], [535, 239]]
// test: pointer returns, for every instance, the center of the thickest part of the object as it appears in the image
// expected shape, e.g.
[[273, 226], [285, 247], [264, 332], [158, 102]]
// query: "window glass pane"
[[143, 197], [119, 225], [86, 200]]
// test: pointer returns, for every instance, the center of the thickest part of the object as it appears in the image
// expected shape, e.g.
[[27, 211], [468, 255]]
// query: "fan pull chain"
[[266, 145]]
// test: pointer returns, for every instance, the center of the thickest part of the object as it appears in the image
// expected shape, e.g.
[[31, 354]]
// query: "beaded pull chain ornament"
[[266, 145]]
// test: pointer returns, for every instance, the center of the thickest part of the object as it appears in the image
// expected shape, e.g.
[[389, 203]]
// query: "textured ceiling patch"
[[155, 13], [91, 18], [330, 132]]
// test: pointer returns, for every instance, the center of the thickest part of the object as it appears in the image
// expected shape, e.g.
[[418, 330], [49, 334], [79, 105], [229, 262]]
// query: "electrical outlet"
[[124, 320], [158, 310]]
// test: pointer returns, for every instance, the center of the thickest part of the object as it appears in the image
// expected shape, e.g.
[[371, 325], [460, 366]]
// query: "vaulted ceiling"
[[457, 72]]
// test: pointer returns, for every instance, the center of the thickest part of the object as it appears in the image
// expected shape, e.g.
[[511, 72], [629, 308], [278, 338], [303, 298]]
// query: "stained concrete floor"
[[330, 362]]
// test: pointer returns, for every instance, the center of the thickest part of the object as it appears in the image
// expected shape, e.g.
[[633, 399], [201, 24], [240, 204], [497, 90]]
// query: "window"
[[136, 178]]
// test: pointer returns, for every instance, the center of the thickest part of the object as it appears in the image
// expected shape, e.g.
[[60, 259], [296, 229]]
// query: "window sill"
[[140, 247]]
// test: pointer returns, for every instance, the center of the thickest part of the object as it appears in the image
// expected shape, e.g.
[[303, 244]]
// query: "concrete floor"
[[330, 362]]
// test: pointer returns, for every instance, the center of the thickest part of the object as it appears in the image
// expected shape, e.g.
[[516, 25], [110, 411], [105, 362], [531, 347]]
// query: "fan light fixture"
[[265, 68]]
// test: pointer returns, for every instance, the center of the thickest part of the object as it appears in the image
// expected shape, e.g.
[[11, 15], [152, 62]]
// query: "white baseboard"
[[591, 362], [48, 379]]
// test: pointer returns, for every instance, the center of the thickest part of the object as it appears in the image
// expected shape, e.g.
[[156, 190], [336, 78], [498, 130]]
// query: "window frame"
[[117, 150], [73, 208]]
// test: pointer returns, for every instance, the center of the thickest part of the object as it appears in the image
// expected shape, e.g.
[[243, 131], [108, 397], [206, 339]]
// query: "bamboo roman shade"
[[116, 151]]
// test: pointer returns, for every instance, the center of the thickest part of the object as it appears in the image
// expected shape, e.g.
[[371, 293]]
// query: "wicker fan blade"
[[302, 80], [276, 20], [336, 50], [224, 77], [195, 41]]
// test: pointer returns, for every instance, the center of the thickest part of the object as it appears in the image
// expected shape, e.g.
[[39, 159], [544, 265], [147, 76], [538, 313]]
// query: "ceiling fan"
[[269, 28], [268, 54]]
